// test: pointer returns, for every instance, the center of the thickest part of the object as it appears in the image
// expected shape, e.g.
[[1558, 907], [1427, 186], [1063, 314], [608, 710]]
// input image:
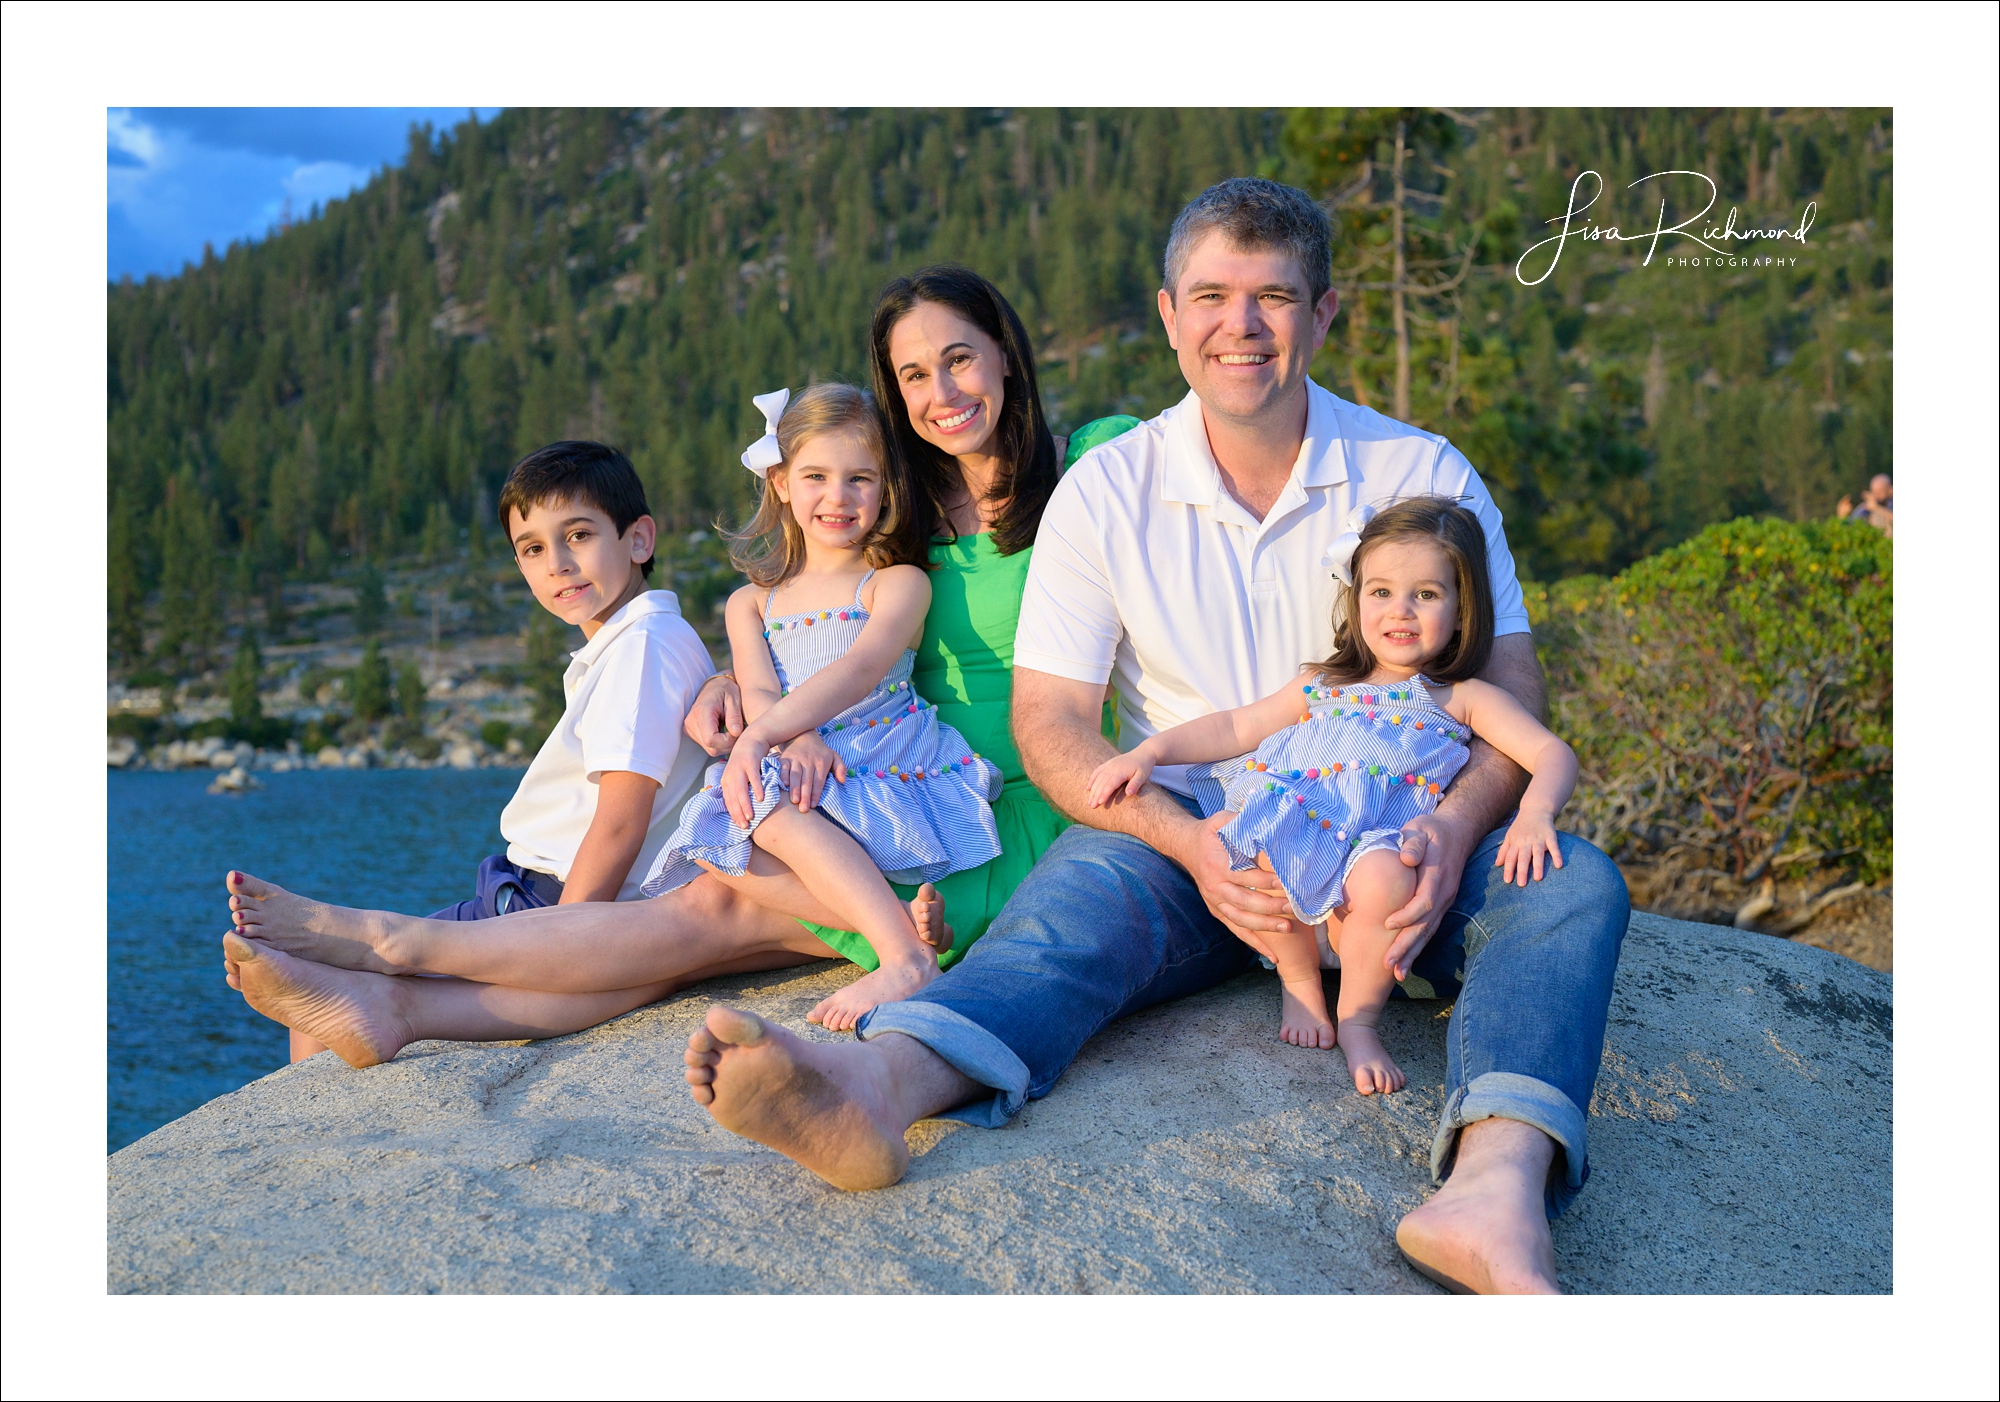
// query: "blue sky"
[[179, 177]]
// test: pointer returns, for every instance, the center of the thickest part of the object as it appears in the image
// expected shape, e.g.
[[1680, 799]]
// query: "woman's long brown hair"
[[1455, 531], [1021, 437]]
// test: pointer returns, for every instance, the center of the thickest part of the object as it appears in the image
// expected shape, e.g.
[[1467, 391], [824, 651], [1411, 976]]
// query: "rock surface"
[[1740, 1142]]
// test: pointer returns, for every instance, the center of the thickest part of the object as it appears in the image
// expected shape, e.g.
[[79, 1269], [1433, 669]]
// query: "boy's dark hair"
[[1456, 531], [576, 470]]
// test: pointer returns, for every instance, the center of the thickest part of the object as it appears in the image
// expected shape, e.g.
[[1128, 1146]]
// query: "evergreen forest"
[[348, 392]]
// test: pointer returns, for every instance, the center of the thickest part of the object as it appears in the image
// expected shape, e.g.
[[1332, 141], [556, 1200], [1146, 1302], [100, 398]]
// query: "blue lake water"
[[393, 839]]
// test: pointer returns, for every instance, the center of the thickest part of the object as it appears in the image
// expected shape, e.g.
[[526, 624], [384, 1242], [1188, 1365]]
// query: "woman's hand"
[[715, 720], [1128, 772], [808, 762], [1532, 836], [743, 779]]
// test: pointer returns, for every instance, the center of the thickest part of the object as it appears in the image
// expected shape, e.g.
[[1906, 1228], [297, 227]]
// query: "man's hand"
[[1247, 902], [743, 779], [1437, 846], [808, 762], [715, 720]]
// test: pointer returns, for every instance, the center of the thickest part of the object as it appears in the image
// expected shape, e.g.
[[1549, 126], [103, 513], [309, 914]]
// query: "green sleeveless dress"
[[965, 667]]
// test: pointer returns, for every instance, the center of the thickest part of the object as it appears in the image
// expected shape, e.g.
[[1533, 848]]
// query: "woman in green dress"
[[955, 374]]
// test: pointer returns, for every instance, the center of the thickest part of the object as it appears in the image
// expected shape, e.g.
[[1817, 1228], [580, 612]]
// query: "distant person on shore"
[[843, 776], [1320, 778], [1876, 508], [598, 803]]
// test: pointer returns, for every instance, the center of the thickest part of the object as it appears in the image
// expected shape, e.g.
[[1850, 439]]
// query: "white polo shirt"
[[628, 690], [1148, 573]]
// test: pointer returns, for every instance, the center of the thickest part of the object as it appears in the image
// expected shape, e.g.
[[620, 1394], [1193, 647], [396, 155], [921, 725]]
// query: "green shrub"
[[495, 733], [1729, 699]]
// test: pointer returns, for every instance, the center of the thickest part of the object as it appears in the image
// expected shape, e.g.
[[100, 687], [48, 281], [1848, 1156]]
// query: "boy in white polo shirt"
[[606, 787]]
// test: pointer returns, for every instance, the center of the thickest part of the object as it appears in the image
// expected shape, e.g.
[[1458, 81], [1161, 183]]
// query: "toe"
[[735, 1027]]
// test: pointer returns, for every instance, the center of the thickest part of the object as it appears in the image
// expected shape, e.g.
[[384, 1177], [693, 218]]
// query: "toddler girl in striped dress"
[[1340, 759], [843, 778]]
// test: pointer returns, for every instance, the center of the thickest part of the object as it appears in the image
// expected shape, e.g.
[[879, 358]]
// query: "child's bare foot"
[[820, 1105], [1374, 1069], [307, 929], [927, 910], [1304, 1022], [352, 1013], [888, 984]]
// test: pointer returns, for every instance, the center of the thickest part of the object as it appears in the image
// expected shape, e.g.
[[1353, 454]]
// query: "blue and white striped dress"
[[1361, 762], [916, 797]]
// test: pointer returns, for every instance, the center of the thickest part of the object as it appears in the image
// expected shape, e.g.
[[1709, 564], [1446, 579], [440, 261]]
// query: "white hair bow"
[[1339, 556], [763, 455]]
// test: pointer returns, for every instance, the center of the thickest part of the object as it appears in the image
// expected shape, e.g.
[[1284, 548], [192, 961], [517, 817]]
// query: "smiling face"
[[953, 377], [1245, 328], [579, 567], [1407, 599], [833, 485]]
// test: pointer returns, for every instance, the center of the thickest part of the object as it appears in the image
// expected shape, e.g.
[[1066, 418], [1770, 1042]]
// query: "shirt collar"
[[1191, 475], [650, 602]]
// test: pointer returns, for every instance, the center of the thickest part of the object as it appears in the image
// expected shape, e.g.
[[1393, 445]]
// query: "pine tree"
[[547, 660], [368, 685], [125, 589], [190, 592], [370, 603], [410, 693], [246, 707]]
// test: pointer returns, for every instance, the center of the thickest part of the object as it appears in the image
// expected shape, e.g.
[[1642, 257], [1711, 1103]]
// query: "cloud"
[[181, 178]]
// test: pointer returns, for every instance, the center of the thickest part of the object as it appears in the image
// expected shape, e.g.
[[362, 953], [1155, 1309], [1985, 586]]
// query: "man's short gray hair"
[[1256, 214]]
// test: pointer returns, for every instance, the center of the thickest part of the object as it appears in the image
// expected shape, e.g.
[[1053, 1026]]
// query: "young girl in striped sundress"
[[843, 777], [1362, 743]]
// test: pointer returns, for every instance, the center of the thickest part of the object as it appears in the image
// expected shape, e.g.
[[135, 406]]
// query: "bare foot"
[[1485, 1232], [352, 1013], [1373, 1068], [888, 984], [927, 910], [1303, 1021], [822, 1106], [307, 929]]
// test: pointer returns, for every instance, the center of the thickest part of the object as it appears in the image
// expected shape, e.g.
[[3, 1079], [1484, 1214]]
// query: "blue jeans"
[[1105, 926]]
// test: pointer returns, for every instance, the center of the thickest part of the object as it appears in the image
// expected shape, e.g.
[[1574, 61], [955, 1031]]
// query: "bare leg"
[[1302, 1019], [833, 866], [367, 1018], [1485, 1232], [840, 1110], [768, 882], [1378, 886], [584, 948], [304, 1046]]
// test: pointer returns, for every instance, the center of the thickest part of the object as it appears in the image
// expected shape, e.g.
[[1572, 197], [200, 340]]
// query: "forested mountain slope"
[[354, 386]]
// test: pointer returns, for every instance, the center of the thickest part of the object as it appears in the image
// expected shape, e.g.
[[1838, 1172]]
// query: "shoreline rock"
[[1740, 1142]]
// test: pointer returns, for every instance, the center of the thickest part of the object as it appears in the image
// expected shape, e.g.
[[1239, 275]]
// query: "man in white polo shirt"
[[1180, 562]]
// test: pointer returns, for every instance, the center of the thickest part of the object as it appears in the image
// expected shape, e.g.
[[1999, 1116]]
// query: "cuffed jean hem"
[[1507, 1095], [972, 1051]]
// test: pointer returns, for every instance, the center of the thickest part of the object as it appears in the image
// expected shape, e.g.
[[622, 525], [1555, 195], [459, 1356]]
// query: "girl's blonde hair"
[[772, 548], [1456, 532]]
